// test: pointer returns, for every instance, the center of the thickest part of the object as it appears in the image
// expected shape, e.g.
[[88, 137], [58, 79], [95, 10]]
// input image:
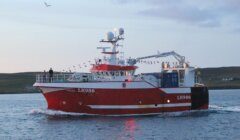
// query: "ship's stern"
[[200, 98]]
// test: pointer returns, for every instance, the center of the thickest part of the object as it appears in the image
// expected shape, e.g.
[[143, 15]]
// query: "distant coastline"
[[221, 77], [214, 78]]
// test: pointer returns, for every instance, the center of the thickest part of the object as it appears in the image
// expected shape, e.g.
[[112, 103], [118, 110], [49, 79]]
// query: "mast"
[[113, 40]]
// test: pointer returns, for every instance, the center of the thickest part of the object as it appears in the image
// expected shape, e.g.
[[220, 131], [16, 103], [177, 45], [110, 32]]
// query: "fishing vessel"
[[112, 87]]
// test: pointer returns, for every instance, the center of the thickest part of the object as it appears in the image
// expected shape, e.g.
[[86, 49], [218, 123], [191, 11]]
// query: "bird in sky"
[[47, 5]]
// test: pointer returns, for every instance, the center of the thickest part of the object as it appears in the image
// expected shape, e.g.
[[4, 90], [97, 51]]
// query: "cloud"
[[236, 30], [180, 13], [198, 12]]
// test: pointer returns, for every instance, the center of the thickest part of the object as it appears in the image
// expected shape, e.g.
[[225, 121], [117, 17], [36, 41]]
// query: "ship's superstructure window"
[[181, 76], [122, 73]]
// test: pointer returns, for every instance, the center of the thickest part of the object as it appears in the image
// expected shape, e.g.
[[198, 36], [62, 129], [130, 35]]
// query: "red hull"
[[120, 101]]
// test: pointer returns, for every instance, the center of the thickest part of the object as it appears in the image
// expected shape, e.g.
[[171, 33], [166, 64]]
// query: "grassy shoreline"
[[214, 78]]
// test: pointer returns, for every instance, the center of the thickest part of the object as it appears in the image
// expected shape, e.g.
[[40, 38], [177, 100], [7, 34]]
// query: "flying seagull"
[[47, 5]]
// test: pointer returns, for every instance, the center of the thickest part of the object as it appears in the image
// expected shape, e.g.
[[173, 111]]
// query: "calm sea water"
[[24, 116]]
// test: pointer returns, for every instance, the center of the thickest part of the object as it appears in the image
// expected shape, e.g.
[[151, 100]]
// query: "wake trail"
[[225, 108], [53, 112], [212, 109]]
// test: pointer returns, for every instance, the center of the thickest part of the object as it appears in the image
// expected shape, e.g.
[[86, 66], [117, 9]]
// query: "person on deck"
[[44, 76], [50, 75]]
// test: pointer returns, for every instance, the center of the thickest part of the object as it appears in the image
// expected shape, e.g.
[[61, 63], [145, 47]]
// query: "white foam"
[[225, 108], [53, 112], [62, 113]]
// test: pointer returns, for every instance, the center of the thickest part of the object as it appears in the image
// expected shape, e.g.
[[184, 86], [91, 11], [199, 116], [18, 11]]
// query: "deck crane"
[[179, 58]]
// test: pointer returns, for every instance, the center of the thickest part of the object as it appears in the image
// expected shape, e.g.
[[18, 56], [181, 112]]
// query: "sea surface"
[[24, 116]]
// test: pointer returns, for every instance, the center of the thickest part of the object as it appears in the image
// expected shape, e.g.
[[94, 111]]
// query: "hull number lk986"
[[86, 90], [184, 97]]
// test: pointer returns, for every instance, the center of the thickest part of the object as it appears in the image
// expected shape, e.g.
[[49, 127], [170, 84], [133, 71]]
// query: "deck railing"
[[56, 78]]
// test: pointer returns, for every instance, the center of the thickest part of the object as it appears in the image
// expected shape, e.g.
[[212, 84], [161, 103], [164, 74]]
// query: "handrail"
[[55, 78], [64, 77], [151, 82]]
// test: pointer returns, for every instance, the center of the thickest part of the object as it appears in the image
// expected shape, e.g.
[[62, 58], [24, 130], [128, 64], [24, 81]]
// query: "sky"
[[34, 37]]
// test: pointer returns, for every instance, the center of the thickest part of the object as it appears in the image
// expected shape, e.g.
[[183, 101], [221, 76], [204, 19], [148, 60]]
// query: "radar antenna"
[[113, 40]]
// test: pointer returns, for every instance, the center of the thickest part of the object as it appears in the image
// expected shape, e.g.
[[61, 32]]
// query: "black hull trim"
[[200, 97]]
